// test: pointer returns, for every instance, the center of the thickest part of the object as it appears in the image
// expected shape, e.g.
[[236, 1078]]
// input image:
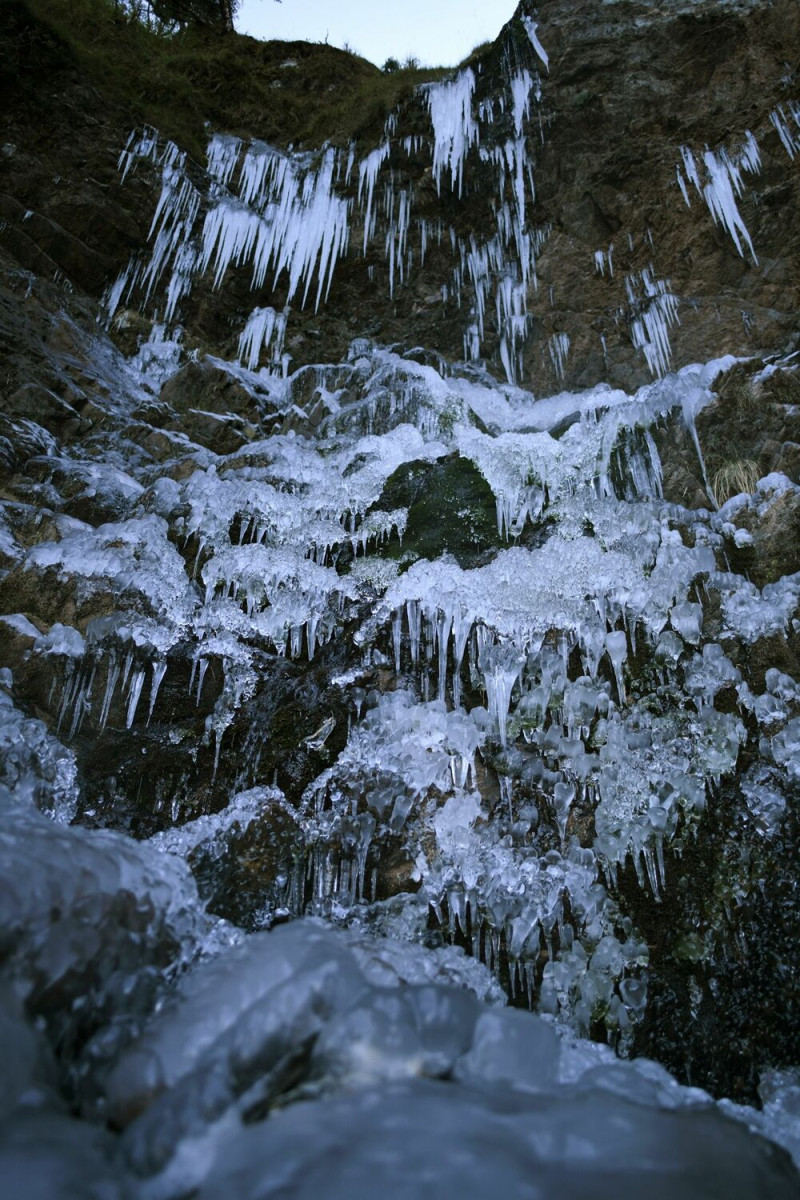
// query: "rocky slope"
[[313, 610]]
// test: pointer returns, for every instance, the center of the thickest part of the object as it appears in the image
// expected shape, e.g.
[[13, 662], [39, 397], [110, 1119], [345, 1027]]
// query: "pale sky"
[[437, 32]]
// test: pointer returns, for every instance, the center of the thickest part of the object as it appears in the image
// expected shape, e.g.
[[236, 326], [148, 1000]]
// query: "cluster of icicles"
[[289, 215], [525, 660]]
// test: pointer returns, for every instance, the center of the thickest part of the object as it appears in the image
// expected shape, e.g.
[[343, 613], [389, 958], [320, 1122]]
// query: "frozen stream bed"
[[157, 1050]]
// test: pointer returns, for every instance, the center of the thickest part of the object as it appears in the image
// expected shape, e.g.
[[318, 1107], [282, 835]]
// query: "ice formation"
[[264, 533], [454, 130], [722, 184], [506, 742], [531, 26], [265, 330], [290, 215], [293, 216], [787, 125], [657, 310]]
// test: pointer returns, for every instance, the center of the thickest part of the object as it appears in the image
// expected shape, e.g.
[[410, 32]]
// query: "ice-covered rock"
[[407, 1138]]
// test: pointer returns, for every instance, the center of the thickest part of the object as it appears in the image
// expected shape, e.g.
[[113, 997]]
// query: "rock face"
[[623, 167], [595, 220], [314, 615]]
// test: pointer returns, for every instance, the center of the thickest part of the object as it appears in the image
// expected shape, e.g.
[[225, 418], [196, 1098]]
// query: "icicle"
[[397, 638], [81, 701], [558, 347], [311, 634], [134, 694], [789, 137], [367, 175], [413, 617], [443, 625], [521, 86], [111, 684], [70, 687], [506, 788], [719, 196], [461, 632], [366, 830], [223, 155], [159, 668], [650, 330], [501, 666], [265, 328], [454, 130], [723, 186], [200, 677], [617, 647], [476, 937], [126, 670], [531, 26], [647, 852], [456, 903], [659, 843], [563, 798]]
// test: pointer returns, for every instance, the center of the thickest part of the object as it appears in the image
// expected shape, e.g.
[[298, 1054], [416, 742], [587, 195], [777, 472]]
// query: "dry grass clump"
[[783, 386], [743, 397], [734, 476], [739, 394], [476, 53]]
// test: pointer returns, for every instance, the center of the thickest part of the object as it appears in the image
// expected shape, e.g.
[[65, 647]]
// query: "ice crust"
[[518, 1145], [396, 1064], [263, 532]]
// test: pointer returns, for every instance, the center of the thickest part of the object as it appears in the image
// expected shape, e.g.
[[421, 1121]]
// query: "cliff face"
[[327, 591], [630, 87], [649, 163]]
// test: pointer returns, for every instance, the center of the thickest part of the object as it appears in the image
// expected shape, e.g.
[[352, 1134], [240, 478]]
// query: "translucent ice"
[[454, 129]]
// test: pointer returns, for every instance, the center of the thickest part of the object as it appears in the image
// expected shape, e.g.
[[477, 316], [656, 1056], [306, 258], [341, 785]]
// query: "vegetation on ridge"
[[303, 93]]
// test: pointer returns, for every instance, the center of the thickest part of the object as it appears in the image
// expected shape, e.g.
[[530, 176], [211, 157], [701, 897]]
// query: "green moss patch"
[[451, 510]]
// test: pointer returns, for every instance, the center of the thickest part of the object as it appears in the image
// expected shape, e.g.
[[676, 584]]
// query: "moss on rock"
[[451, 510]]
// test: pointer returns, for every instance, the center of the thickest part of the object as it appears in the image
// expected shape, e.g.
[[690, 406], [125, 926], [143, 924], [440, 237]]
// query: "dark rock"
[[451, 509], [211, 407], [776, 538]]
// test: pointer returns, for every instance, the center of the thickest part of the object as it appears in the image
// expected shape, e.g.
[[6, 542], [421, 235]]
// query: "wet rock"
[[775, 532], [451, 510], [210, 407], [724, 957], [202, 387], [48, 596], [18, 635], [69, 933]]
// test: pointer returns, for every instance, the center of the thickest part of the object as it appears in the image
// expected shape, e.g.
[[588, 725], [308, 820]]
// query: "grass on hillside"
[[300, 92], [734, 476]]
